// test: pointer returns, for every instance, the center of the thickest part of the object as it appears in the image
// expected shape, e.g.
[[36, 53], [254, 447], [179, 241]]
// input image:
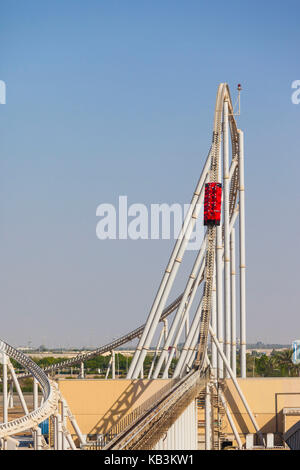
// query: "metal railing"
[[49, 390], [147, 429], [131, 417]]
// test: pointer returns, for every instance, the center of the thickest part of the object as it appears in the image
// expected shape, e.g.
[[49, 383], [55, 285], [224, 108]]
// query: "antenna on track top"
[[238, 101]]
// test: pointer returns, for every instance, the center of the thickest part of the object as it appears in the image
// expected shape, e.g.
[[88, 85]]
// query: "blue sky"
[[109, 98]]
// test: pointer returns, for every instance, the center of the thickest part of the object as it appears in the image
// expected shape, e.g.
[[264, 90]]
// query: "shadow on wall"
[[120, 408], [273, 425], [236, 412]]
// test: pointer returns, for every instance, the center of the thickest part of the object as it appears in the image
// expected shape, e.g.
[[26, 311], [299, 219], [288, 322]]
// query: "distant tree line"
[[277, 364]]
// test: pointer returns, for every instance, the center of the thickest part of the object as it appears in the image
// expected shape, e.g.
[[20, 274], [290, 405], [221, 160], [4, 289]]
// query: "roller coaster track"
[[223, 93], [107, 347], [149, 427], [49, 390]]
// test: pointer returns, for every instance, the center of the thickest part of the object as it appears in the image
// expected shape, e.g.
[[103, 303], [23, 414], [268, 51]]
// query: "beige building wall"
[[266, 397], [290, 420], [99, 404]]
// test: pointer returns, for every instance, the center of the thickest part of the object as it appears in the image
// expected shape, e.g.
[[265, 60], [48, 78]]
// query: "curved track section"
[[223, 94], [107, 347], [49, 390], [147, 430], [141, 434]]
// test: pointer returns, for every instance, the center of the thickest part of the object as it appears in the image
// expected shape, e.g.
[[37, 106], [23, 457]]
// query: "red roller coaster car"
[[212, 203]]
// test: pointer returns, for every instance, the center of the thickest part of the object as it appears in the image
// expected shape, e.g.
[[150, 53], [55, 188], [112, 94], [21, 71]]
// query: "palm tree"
[[284, 361], [266, 366], [271, 366]]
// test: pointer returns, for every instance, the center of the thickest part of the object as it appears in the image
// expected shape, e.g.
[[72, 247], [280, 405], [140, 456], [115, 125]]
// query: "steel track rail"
[[169, 309], [222, 96], [148, 429], [49, 390], [108, 347], [186, 388]]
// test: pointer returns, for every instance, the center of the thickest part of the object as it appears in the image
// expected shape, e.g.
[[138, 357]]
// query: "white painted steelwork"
[[242, 257], [49, 390], [215, 312]]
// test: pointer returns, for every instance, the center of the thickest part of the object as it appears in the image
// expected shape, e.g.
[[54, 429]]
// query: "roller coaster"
[[195, 326]]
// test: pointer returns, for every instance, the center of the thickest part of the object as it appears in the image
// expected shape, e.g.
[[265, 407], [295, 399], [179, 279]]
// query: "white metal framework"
[[204, 314], [214, 266]]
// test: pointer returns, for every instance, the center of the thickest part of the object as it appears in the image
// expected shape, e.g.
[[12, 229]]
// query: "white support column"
[[187, 321], [190, 357], [34, 436], [196, 424], [35, 394], [169, 277], [187, 353], [173, 436], [11, 395], [238, 388], [18, 388], [156, 352], [165, 328], [233, 302], [227, 411], [55, 434], [64, 415], [177, 434], [70, 441], [219, 276], [191, 427], [4, 360], [185, 431], [230, 419], [113, 355], [207, 418], [242, 257], [226, 232], [179, 320], [182, 431], [183, 310], [191, 349], [38, 437], [219, 286], [59, 432], [108, 368], [182, 359], [214, 323], [188, 434], [82, 370], [165, 339], [188, 429], [73, 422]]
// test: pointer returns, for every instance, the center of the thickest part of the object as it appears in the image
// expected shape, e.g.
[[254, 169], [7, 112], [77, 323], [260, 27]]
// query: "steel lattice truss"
[[214, 315]]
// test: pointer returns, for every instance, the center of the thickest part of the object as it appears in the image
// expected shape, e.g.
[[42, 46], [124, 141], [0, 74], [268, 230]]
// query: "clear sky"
[[109, 98]]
